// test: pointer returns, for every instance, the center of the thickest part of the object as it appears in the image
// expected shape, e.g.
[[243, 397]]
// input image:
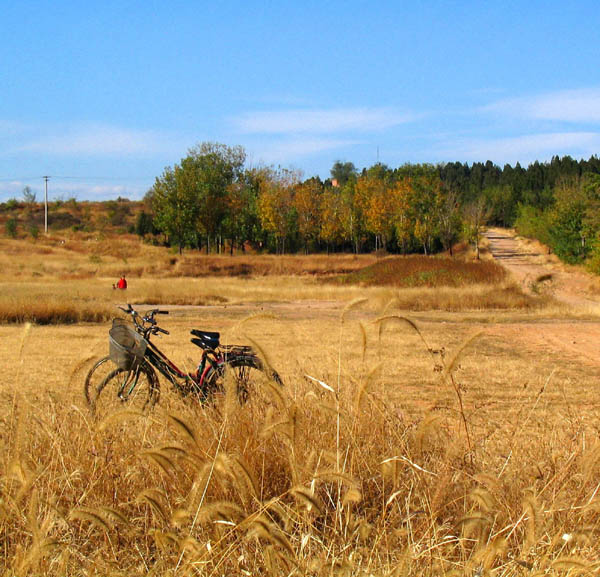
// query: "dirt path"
[[537, 271]]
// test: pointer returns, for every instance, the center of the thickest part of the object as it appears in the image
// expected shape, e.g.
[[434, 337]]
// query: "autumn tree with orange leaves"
[[376, 203], [307, 202], [275, 204], [404, 225]]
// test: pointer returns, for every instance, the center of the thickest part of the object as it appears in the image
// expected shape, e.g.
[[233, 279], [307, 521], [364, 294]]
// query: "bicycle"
[[128, 376]]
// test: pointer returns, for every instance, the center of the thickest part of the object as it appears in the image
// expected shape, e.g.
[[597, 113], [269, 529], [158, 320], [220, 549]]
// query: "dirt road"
[[574, 340], [538, 271]]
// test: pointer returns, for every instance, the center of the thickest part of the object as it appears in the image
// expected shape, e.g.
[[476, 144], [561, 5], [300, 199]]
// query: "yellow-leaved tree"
[[376, 203], [307, 202], [275, 204]]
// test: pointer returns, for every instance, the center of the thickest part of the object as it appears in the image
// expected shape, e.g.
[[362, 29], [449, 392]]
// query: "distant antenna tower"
[[377, 154]]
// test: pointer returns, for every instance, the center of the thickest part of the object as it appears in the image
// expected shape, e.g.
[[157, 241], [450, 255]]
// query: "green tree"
[[567, 233], [342, 172], [241, 223], [209, 171], [190, 200], [175, 207], [11, 227], [591, 218], [502, 204], [476, 215], [533, 222], [143, 224]]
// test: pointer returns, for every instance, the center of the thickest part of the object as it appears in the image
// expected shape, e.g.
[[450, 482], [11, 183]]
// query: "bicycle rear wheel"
[[136, 389], [252, 380]]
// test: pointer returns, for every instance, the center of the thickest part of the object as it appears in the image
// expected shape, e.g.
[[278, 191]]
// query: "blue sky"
[[102, 96]]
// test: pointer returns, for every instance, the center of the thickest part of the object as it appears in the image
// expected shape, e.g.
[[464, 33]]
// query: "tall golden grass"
[[334, 475], [51, 301]]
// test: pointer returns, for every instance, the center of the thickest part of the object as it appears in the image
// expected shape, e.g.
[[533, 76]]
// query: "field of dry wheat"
[[406, 440]]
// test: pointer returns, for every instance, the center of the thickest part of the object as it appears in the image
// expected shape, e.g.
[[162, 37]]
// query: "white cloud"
[[523, 149], [59, 188], [320, 121], [96, 140], [289, 150], [579, 106]]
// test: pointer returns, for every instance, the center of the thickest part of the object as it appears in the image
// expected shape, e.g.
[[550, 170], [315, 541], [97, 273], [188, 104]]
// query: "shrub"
[[533, 223], [416, 271], [11, 204], [63, 220], [144, 224], [34, 230], [11, 227], [593, 262]]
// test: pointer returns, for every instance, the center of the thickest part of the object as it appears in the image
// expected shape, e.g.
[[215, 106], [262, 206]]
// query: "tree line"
[[211, 200]]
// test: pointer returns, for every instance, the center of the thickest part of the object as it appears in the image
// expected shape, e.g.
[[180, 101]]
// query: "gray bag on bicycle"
[[127, 347]]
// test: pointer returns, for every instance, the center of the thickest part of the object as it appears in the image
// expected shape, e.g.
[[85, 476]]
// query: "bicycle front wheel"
[[136, 389], [101, 369]]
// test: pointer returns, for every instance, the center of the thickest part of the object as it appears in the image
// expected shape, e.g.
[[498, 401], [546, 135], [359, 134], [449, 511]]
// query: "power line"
[[130, 178], [7, 178], [60, 177]]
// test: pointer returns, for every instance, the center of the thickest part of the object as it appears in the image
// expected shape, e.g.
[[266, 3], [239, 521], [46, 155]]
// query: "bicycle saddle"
[[206, 339]]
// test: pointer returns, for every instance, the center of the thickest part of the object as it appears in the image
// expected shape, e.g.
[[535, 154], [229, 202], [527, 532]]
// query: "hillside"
[[108, 217]]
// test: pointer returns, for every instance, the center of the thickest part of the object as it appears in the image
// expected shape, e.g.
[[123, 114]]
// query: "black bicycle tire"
[[147, 371], [249, 361], [88, 380]]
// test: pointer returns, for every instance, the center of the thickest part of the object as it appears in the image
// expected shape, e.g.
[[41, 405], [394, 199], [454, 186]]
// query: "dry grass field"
[[420, 431]]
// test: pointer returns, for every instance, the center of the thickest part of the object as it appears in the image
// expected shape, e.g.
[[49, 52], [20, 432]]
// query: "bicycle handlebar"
[[147, 318]]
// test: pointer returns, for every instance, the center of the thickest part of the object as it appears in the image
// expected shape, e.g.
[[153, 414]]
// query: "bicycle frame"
[[168, 369]]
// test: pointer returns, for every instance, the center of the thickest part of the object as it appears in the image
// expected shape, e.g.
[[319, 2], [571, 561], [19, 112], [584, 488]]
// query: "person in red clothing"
[[122, 284]]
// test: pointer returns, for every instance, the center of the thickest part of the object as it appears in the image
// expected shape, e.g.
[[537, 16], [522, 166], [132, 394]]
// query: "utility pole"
[[45, 203]]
